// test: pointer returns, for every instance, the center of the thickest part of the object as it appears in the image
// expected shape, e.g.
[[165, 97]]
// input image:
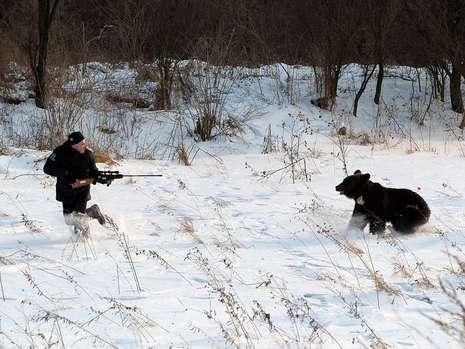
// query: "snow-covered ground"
[[238, 250]]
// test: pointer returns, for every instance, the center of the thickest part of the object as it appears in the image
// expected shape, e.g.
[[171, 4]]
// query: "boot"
[[94, 212]]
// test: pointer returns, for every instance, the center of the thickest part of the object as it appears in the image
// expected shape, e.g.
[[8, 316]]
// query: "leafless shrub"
[[123, 131], [102, 156], [341, 142], [207, 85], [294, 147], [206, 104], [236, 125], [286, 83], [176, 146], [64, 112]]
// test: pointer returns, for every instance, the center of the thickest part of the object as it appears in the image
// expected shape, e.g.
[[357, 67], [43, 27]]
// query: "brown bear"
[[377, 205]]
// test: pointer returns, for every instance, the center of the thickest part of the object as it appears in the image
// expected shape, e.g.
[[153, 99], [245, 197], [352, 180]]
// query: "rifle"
[[106, 177]]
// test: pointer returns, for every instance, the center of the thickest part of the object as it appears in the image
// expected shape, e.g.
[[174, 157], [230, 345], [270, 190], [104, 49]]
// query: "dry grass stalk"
[[183, 155], [454, 327], [188, 227]]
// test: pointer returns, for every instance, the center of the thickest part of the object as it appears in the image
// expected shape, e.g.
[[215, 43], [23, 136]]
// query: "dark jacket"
[[67, 165]]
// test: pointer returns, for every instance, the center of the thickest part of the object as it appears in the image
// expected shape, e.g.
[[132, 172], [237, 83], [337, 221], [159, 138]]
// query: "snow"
[[231, 251]]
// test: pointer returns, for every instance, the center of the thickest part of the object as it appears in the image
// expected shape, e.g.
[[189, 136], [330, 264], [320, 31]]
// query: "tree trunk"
[[439, 82], [462, 124], [166, 70], [39, 68], [379, 82], [442, 88], [366, 77], [331, 80], [455, 91], [39, 64]]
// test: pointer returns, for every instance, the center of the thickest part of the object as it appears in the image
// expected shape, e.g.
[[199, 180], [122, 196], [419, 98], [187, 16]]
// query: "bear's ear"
[[357, 172], [366, 176]]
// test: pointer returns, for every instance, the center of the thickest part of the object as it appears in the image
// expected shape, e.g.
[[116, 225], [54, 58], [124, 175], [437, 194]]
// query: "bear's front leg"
[[359, 219], [377, 226]]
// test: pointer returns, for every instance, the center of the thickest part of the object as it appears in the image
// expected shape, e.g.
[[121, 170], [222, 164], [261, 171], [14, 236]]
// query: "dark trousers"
[[76, 203]]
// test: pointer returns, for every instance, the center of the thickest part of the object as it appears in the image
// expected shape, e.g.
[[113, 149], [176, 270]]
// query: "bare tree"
[[130, 26], [29, 25], [383, 16], [441, 25], [456, 26], [438, 74], [327, 34], [38, 52], [367, 73], [334, 46]]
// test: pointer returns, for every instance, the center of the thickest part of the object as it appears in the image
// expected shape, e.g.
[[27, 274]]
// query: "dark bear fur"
[[377, 205]]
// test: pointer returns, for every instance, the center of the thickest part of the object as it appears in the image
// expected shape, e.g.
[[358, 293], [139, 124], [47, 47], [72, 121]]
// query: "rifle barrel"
[[142, 175]]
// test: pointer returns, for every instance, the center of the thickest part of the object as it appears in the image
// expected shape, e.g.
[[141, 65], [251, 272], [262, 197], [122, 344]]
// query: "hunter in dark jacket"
[[70, 162]]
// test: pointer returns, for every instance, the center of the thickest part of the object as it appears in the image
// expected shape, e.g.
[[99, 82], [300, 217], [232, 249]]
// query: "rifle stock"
[[82, 182]]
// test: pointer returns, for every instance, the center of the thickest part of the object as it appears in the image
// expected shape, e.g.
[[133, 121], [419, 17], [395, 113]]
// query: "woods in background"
[[326, 34]]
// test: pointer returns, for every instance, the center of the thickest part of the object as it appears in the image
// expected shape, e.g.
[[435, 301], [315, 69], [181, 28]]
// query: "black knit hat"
[[75, 137]]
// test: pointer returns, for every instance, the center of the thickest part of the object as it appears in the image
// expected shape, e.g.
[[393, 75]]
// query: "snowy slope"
[[231, 252]]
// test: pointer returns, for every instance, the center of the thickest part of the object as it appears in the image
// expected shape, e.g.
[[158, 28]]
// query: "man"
[[72, 162]]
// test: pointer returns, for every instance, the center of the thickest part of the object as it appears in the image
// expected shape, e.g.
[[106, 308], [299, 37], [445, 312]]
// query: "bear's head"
[[352, 186]]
